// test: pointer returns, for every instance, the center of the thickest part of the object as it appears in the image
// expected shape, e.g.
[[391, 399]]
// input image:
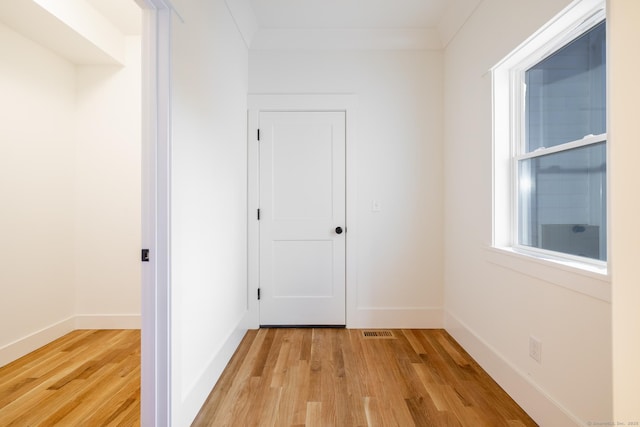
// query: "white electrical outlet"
[[535, 349]]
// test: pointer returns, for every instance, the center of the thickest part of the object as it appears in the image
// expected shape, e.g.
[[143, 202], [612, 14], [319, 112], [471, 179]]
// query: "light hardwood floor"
[[86, 378], [338, 377], [277, 377]]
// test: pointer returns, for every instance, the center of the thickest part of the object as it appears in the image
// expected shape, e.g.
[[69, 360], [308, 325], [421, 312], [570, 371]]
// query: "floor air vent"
[[378, 334]]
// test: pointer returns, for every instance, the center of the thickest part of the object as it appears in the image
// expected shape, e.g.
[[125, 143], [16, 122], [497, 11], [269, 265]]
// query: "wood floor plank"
[[378, 403], [269, 413], [314, 414], [240, 368], [264, 349], [36, 368], [283, 377], [131, 417], [351, 382], [116, 407], [360, 382], [422, 407], [39, 357], [88, 377], [329, 377], [434, 390], [372, 412], [415, 343], [390, 391], [106, 382]]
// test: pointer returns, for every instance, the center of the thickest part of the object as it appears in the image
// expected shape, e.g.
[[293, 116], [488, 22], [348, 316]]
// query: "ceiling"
[[317, 24], [77, 31], [295, 23], [348, 14], [125, 15], [350, 24]]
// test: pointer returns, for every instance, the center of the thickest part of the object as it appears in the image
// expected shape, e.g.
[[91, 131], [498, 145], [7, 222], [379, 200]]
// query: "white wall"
[[494, 302], [108, 194], [37, 107], [399, 163], [70, 190], [624, 92], [208, 207]]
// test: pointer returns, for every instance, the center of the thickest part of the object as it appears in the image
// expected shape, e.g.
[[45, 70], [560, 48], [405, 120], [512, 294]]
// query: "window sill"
[[586, 279]]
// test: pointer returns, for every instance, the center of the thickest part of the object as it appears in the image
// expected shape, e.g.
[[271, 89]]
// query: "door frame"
[[258, 103], [156, 187]]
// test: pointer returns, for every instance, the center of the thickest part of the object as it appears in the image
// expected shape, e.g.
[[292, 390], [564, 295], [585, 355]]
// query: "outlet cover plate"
[[535, 349]]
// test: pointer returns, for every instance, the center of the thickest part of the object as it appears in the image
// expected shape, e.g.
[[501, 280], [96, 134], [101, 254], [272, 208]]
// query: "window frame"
[[508, 78]]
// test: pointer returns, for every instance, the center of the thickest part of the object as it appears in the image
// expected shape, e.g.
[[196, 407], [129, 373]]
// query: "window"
[[554, 106]]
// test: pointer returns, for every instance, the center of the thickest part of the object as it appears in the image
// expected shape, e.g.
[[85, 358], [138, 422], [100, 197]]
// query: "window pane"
[[566, 93], [562, 202]]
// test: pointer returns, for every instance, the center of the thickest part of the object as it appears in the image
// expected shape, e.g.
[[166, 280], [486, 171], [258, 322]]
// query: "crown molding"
[[346, 39], [245, 19], [455, 17], [257, 38]]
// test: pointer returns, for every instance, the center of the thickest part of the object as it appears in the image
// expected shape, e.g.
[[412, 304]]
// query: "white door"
[[302, 218]]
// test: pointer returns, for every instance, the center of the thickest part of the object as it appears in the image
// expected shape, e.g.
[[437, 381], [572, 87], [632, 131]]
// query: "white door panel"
[[302, 201], [307, 262], [302, 169]]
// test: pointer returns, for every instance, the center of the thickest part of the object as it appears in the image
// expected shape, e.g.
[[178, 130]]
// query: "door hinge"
[[258, 294], [258, 214], [258, 134], [145, 255]]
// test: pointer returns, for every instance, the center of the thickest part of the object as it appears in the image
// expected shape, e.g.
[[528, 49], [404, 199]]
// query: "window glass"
[[562, 201], [566, 93]]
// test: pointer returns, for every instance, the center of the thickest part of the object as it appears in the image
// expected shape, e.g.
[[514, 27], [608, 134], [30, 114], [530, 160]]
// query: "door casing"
[[156, 188], [299, 102]]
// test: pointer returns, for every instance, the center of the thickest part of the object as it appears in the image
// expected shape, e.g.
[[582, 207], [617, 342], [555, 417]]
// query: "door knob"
[[338, 230]]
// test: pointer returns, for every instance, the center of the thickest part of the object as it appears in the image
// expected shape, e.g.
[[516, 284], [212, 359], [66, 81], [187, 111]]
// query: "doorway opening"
[[71, 171]]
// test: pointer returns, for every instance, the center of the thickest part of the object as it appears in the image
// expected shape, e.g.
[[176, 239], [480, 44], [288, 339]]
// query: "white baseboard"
[[34, 341], [396, 318], [531, 397], [108, 321], [196, 397]]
